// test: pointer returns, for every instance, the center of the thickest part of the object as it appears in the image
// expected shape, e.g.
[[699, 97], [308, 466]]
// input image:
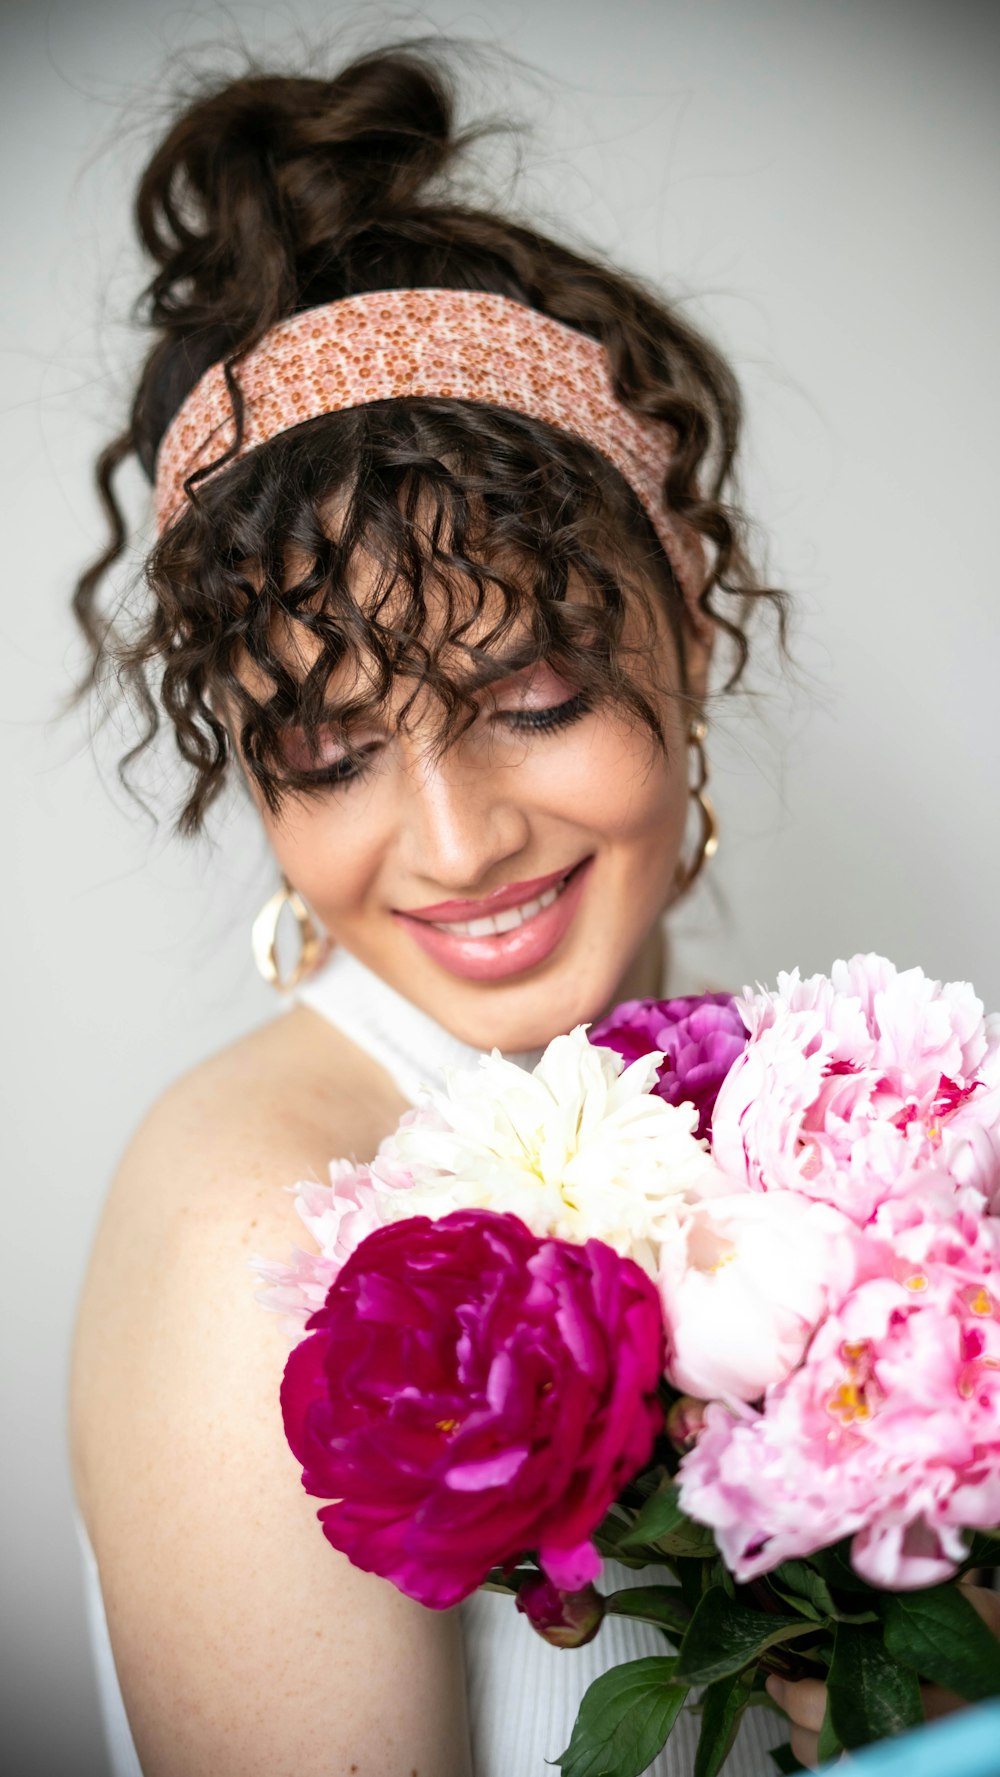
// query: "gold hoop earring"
[[264, 939], [708, 841]]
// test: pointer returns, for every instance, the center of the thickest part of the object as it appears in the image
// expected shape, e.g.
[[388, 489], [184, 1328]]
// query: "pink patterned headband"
[[465, 343]]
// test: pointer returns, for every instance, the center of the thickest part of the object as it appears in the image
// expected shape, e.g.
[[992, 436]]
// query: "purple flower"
[[469, 1392], [565, 1619], [701, 1035]]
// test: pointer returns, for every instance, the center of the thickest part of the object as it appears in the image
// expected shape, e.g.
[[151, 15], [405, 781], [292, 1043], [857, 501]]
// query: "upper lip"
[[511, 895]]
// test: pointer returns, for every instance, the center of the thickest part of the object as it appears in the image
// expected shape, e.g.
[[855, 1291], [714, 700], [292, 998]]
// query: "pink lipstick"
[[505, 933]]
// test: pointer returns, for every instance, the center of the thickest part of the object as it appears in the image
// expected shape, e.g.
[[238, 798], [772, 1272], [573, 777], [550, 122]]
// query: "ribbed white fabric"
[[122, 1756], [523, 1695], [413, 1049]]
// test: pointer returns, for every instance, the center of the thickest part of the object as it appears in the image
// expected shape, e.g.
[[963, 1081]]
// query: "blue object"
[[966, 1744]]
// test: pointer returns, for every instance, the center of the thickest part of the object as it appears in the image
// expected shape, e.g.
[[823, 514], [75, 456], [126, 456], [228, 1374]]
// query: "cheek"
[[612, 783], [331, 860]]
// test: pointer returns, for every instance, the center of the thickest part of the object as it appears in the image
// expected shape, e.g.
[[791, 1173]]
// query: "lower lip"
[[504, 953]]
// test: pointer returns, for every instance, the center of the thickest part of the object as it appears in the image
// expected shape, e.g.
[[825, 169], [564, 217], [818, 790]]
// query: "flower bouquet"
[[713, 1292]]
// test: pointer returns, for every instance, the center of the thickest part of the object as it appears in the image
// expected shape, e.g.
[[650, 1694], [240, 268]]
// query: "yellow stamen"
[[726, 1259], [848, 1403]]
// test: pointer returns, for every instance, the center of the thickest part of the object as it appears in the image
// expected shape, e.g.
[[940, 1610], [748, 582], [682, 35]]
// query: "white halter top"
[[523, 1694]]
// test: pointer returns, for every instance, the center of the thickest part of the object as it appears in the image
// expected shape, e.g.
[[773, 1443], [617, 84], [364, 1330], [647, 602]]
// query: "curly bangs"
[[472, 524]]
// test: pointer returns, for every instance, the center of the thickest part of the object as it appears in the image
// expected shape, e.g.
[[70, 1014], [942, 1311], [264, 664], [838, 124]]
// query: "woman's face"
[[507, 886]]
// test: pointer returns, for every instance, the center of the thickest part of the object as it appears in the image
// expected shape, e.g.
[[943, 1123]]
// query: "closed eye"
[[557, 715], [352, 767]]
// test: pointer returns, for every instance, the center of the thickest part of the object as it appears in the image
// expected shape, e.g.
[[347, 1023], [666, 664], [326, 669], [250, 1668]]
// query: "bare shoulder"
[[225, 1605], [200, 1180]]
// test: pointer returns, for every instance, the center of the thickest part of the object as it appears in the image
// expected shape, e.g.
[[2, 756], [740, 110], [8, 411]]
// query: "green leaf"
[[722, 1707], [835, 1566], [660, 1523], [635, 1559], [613, 1526], [984, 1549], [692, 1575], [725, 1635], [828, 1745], [719, 1575], [799, 1584], [786, 1760], [624, 1720], [938, 1634], [663, 1606], [871, 1694], [498, 1581], [609, 1538]]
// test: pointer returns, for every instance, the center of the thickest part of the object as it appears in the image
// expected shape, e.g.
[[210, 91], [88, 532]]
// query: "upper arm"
[[244, 1642]]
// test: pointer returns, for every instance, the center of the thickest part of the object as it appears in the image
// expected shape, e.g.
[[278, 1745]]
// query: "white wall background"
[[818, 178]]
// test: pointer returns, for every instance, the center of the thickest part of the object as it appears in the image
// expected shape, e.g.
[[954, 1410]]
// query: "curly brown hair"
[[272, 194]]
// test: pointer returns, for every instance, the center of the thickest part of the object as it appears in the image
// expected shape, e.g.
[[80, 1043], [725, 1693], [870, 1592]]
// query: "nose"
[[458, 824]]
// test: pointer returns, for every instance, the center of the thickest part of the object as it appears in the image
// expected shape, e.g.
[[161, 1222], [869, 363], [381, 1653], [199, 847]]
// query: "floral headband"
[[465, 343]]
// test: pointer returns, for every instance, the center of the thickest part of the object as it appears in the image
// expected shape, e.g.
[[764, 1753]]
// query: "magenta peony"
[[564, 1619], [855, 1086], [700, 1036], [469, 1392], [889, 1432]]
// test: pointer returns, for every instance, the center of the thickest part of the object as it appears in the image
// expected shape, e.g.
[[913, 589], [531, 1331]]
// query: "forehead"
[[370, 623]]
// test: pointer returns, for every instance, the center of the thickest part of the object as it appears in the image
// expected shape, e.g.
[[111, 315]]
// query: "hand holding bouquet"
[[714, 1291]]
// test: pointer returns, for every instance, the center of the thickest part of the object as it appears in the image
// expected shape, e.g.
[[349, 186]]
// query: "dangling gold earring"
[[708, 843], [264, 939]]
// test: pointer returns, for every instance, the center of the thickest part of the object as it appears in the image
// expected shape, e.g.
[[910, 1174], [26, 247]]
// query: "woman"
[[442, 562]]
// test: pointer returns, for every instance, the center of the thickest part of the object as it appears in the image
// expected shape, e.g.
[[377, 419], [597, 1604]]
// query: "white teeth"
[[502, 922]]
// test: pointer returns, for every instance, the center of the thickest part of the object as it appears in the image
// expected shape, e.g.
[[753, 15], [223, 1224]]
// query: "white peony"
[[579, 1148]]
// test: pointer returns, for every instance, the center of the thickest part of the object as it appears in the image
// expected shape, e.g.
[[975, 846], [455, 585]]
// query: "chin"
[[547, 1010]]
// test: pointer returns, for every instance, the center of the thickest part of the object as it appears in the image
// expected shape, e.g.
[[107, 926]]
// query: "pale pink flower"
[[854, 1087], [338, 1216], [743, 1285], [889, 1432]]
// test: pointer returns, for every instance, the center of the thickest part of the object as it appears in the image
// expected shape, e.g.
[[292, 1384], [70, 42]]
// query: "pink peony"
[[854, 1087], [469, 1392], [889, 1432], [745, 1283], [338, 1216], [699, 1035]]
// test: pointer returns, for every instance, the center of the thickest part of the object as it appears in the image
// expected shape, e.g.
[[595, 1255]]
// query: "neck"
[[410, 1045]]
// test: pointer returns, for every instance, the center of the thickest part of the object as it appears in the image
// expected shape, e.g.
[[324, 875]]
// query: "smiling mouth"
[[492, 925], [494, 946]]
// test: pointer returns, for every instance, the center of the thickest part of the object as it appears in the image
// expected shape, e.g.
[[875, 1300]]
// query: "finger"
[[803, 1701], [986, 1602], [805, 1746], [937, 1701]]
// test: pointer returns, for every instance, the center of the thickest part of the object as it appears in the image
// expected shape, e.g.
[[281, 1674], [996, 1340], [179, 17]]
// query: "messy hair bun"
[[274, 194], [271, 194]]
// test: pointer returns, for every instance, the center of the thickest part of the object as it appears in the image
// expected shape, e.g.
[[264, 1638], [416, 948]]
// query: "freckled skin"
[[502, 805]]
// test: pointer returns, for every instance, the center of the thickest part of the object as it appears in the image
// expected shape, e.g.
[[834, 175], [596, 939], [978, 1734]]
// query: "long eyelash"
[[556, 717], [343, 771], [559, 715]]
